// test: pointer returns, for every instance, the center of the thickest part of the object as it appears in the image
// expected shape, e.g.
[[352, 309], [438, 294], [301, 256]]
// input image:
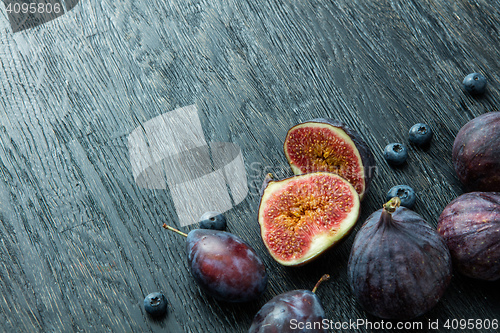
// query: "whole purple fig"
[[476, 153], [293, 311], [399, 266], [470, 226]]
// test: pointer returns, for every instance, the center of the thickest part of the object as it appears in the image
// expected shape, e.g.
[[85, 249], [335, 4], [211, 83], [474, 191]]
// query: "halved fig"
[[302, 216], [330, 146]]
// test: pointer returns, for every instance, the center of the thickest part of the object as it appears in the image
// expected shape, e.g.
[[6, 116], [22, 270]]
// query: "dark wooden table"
[[81, 243]]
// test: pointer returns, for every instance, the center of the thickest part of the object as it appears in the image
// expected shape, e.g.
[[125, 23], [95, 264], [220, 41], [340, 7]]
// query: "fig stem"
[[174, 230], [269, 178], [391, 205], [325, 277]]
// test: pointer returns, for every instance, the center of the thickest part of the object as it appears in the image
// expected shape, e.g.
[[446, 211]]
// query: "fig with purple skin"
[[302, 216], [329, 145], [293, 311], [399, 266], [470, 226], [476, 153]]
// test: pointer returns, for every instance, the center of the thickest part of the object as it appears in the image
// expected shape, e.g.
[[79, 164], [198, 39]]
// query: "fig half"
[[399, 266], [476, 153], [470, 226], [302, 216], [329, 145]]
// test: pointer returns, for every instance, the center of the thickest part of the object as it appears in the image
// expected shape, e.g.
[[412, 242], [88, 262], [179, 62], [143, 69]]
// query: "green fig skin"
[[399, 266]]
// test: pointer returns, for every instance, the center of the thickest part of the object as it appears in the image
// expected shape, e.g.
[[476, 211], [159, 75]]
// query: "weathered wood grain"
[[81, 245]]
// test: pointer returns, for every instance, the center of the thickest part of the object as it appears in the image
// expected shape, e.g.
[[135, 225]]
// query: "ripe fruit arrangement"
[[399, 266]]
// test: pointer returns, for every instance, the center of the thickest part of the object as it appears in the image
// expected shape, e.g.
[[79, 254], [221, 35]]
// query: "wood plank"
[[81, 244]]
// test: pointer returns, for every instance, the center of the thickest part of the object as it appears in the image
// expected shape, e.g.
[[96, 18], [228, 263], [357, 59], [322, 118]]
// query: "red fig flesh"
[[302, 216], [293, 311], [330, 146]]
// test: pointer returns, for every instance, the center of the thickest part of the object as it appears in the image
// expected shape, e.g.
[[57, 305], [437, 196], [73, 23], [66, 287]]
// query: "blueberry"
[[395, 153], [475, 83], [405, 193], [213, 220], [155, 304], [420, 134]]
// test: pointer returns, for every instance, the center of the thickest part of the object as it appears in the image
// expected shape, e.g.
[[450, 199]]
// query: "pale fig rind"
[[476, 153], [302, 216], [358, 168], [399, 266], [470, 226]]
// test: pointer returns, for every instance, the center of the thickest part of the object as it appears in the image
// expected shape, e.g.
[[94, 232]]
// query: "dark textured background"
[[81, 245]]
